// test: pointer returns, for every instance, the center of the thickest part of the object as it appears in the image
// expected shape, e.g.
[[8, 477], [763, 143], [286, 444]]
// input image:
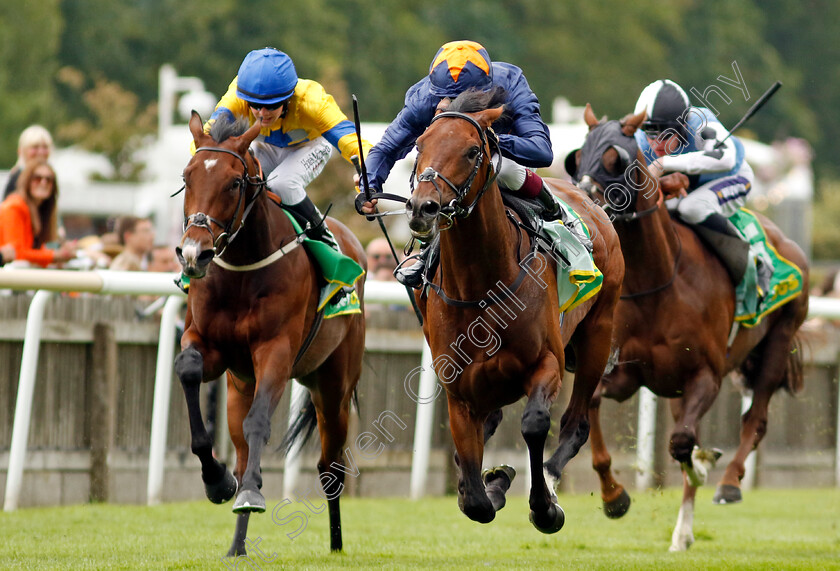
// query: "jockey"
[[301, 123], [525, 144], [676, 137]]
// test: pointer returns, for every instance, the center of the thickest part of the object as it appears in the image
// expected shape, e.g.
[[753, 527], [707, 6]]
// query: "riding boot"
[[730, 245], [552, 208], [412, 276], [308, 214]]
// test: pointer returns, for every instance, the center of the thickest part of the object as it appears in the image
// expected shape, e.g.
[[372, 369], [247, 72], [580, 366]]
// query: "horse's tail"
[[301, 428], [794, 371], [304, 424]]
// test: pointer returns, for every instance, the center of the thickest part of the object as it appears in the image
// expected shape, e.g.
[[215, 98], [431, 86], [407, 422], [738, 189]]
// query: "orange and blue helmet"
[[458, 66], [266, 76]]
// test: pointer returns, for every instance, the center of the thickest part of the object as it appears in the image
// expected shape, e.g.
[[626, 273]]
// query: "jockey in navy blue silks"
[[457, 67], [677, 137]]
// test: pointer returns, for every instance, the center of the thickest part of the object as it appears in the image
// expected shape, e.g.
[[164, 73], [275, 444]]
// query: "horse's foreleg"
[[683, 535], [467, 433], [257, 429], [615, 497], [546, 514], [219, 483], [698, 396]]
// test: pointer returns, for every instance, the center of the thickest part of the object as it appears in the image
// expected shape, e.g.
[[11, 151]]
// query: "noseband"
[[203, 221], [455, 208]]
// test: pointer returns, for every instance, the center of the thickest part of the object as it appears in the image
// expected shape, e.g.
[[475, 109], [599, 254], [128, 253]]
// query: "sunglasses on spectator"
[[39, 178], [269, 107]]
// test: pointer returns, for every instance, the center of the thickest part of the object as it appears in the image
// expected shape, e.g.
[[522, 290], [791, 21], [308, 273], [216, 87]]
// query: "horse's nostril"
[[430, 208]]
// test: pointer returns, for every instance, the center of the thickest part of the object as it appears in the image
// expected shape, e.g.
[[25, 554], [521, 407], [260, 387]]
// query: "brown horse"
[[675, 319], [255, 317], [492, 318]]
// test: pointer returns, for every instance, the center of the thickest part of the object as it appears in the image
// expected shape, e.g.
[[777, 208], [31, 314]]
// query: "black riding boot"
[[552, 208], [764, 266], [308, 214], [412, 276]]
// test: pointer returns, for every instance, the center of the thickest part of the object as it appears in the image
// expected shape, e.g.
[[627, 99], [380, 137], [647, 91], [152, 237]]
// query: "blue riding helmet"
[[458, 66], [266, 76]]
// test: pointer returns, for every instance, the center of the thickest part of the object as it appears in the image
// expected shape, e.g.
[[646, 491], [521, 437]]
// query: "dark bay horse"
[[492, 318], [253, 314], [675, 318]]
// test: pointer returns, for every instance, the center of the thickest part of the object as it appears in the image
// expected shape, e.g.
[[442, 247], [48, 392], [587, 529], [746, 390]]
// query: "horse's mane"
[[473, 101], [225, 127]]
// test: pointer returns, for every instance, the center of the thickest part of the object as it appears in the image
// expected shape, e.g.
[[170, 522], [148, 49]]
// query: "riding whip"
[[752, 110], [359, 163]]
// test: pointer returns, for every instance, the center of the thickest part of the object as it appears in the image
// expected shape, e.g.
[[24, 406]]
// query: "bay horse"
[[253, 314], [492, 320], [675, 320]]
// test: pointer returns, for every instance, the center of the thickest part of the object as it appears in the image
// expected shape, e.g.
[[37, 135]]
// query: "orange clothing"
[[16, 228]]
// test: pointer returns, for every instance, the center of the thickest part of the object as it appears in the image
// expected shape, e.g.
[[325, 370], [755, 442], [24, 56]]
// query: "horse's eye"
[[473, 153], [237, 184]]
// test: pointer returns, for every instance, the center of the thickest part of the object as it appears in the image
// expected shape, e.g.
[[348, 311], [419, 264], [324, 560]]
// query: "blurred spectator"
[[163, 259], [35, 142], [29, 217], [137, 237], [381, 263]]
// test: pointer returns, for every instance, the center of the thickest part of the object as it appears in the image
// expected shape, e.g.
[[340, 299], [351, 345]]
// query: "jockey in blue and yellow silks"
[[301, 123], [525, 144]]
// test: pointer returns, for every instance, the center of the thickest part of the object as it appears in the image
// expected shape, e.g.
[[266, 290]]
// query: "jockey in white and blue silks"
[[525, 144], [677, 137]]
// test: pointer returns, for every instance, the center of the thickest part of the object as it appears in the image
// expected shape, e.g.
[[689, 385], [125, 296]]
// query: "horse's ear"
[[244, 140], [196, 126], [489, 116], [589, 117], [631, 123], [443, 105]]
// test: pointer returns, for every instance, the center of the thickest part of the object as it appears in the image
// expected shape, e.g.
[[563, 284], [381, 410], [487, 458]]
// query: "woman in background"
[[35, 142], [29, 217]]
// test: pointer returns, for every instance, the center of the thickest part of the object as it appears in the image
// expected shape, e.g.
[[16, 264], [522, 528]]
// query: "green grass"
[[772, 529]]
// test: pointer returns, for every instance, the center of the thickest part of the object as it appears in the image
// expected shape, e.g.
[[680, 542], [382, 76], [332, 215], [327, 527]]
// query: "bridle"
[[455, 207], [203, 221]]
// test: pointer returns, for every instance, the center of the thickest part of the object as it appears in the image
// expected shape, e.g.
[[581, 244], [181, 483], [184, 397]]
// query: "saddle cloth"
[[785, 284]]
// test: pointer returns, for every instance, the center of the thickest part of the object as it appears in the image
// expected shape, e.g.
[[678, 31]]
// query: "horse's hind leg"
[[239, 399], [219, 483], [467, 433], [615, 497], [775, 361], [683, 536]]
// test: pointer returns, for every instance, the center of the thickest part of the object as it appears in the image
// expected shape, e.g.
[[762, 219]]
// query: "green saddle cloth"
[[785, 284], [580, 279], [339, 271]]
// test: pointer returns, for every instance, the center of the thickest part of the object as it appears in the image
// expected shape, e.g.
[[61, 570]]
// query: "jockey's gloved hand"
[[365, 207]]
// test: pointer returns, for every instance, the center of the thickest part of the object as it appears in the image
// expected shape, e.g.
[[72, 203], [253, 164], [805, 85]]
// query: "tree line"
[[87, 69]]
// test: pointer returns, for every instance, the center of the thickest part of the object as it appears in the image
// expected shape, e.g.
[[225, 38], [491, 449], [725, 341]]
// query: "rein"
[[203, 221]]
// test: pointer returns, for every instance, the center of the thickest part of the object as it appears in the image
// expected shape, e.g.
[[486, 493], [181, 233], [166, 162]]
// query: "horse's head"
[[609, 167], [221, 182], [450, 155]]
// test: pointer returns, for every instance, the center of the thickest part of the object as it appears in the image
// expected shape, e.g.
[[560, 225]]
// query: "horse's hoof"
[[618, 507], [554, 518], [497, 482], [223, 490], [249, 501], [727, 494]]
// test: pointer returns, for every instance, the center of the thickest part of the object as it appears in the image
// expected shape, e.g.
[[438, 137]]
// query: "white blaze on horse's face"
[[209, 164]]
